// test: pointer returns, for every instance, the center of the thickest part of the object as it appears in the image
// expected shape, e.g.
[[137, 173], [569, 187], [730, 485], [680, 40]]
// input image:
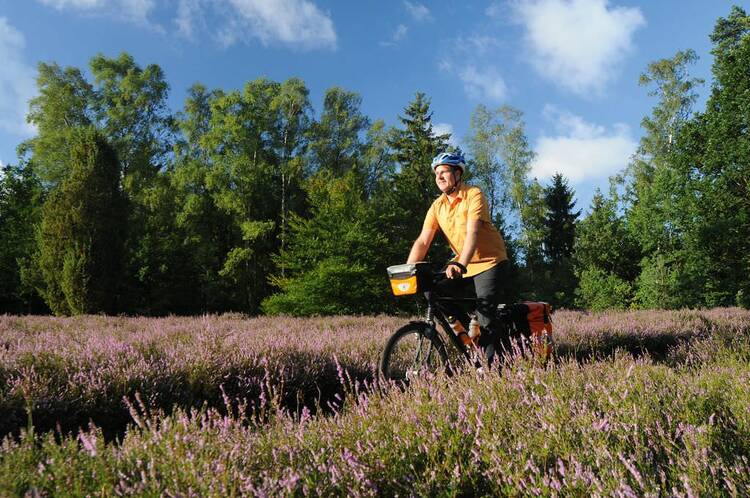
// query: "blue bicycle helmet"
[[451, 159]]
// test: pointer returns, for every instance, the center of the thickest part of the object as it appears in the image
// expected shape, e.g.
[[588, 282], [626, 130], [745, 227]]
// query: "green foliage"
[[81, 238], [334, 259], [333, 286], [411, 189], [601, 290], [500, 156], [560, 220], [603, 241], [21, 198], [743, 298], [336, 143], [65, 101], [605, 257], [658, 286]]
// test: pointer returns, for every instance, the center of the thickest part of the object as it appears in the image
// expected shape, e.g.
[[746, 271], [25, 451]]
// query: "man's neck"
[[453, 194]]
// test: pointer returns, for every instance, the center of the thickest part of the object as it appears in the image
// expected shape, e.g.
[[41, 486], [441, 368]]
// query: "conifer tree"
[[559, 237], [560, 220], [413, 188], [81, 233]]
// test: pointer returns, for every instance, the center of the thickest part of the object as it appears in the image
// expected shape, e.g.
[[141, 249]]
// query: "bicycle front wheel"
[[412, 351]]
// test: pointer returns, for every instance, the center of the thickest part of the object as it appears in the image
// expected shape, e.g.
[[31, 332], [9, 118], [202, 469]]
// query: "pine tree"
[[560, 220], [413, 187], [559, 238]]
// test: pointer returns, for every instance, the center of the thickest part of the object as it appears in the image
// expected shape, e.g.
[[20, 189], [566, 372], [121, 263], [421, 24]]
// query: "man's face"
[[445, 178]]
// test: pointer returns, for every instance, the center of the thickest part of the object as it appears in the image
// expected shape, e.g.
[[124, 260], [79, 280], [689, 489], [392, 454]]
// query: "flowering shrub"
[[615, 426]]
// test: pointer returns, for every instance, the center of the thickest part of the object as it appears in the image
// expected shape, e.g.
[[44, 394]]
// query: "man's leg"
[[457, 287], [490, 287]]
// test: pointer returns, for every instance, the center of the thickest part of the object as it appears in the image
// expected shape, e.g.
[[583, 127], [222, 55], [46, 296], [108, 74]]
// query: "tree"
[[80, 236], [501, 165], [653, 181], [205, 230], [132, 112], [560, 220], [65, 102], [334, 259], [412, 189], [336, 143], [250, 161], [377, 162], [292, 107], [128, 105], [559, 237], [501, 158], [21, 198], [709, 194], [725, 163], [605, 257]]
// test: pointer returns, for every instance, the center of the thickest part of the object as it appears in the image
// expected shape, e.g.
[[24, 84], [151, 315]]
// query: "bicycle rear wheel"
[[412, 351]]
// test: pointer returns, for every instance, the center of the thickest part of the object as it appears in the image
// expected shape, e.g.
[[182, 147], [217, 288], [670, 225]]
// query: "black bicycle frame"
[[436, 311]]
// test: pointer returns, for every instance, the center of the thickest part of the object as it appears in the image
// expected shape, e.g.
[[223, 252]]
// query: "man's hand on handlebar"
[[454, 269]]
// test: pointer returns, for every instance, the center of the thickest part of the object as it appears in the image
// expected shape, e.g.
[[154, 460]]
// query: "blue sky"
[[571, 66]]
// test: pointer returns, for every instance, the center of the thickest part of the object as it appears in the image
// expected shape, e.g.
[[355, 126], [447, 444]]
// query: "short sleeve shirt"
[[452, 217]]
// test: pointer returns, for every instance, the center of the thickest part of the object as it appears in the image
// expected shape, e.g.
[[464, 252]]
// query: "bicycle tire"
[[405, 356]]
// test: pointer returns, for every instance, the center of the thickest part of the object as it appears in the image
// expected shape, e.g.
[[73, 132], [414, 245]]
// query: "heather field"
[[637, 404]]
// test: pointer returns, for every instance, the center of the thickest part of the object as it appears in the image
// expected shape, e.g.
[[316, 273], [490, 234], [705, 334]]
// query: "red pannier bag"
[[534, 321]]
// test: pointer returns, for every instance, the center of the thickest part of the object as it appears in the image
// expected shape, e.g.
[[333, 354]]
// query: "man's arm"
[[421, 245]]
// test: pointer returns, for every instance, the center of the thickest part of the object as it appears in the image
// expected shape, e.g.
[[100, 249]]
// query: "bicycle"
[[419, 347]]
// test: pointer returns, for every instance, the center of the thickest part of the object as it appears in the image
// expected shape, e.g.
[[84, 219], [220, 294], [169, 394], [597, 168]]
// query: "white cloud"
[[442, 129], [401, 31], [75, 4], [293, 22], [581, 150], [136, 11], [577, 43], [484, 84], [187, 14], [398, 35], [418, 11], [17, 83]]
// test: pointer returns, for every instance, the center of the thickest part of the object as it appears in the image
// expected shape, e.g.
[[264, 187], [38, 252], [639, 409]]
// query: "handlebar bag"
[[408, 279]]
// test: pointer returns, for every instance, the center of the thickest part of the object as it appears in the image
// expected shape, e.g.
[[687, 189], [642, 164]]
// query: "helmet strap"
[[458, 182]]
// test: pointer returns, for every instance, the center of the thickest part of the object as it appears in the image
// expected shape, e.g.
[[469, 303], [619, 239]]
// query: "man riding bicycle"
[[480, 264]]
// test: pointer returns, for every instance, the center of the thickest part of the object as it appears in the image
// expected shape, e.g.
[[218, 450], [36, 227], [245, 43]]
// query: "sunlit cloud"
[[581, 151], [483, 84], [577, 44], [398, 35], [418, 11], [136, 11], [293, 22]]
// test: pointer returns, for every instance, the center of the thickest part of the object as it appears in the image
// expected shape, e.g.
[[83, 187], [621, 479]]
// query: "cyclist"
[[480, 262]]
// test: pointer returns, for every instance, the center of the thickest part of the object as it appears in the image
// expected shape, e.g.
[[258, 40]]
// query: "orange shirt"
[[451, 218]]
